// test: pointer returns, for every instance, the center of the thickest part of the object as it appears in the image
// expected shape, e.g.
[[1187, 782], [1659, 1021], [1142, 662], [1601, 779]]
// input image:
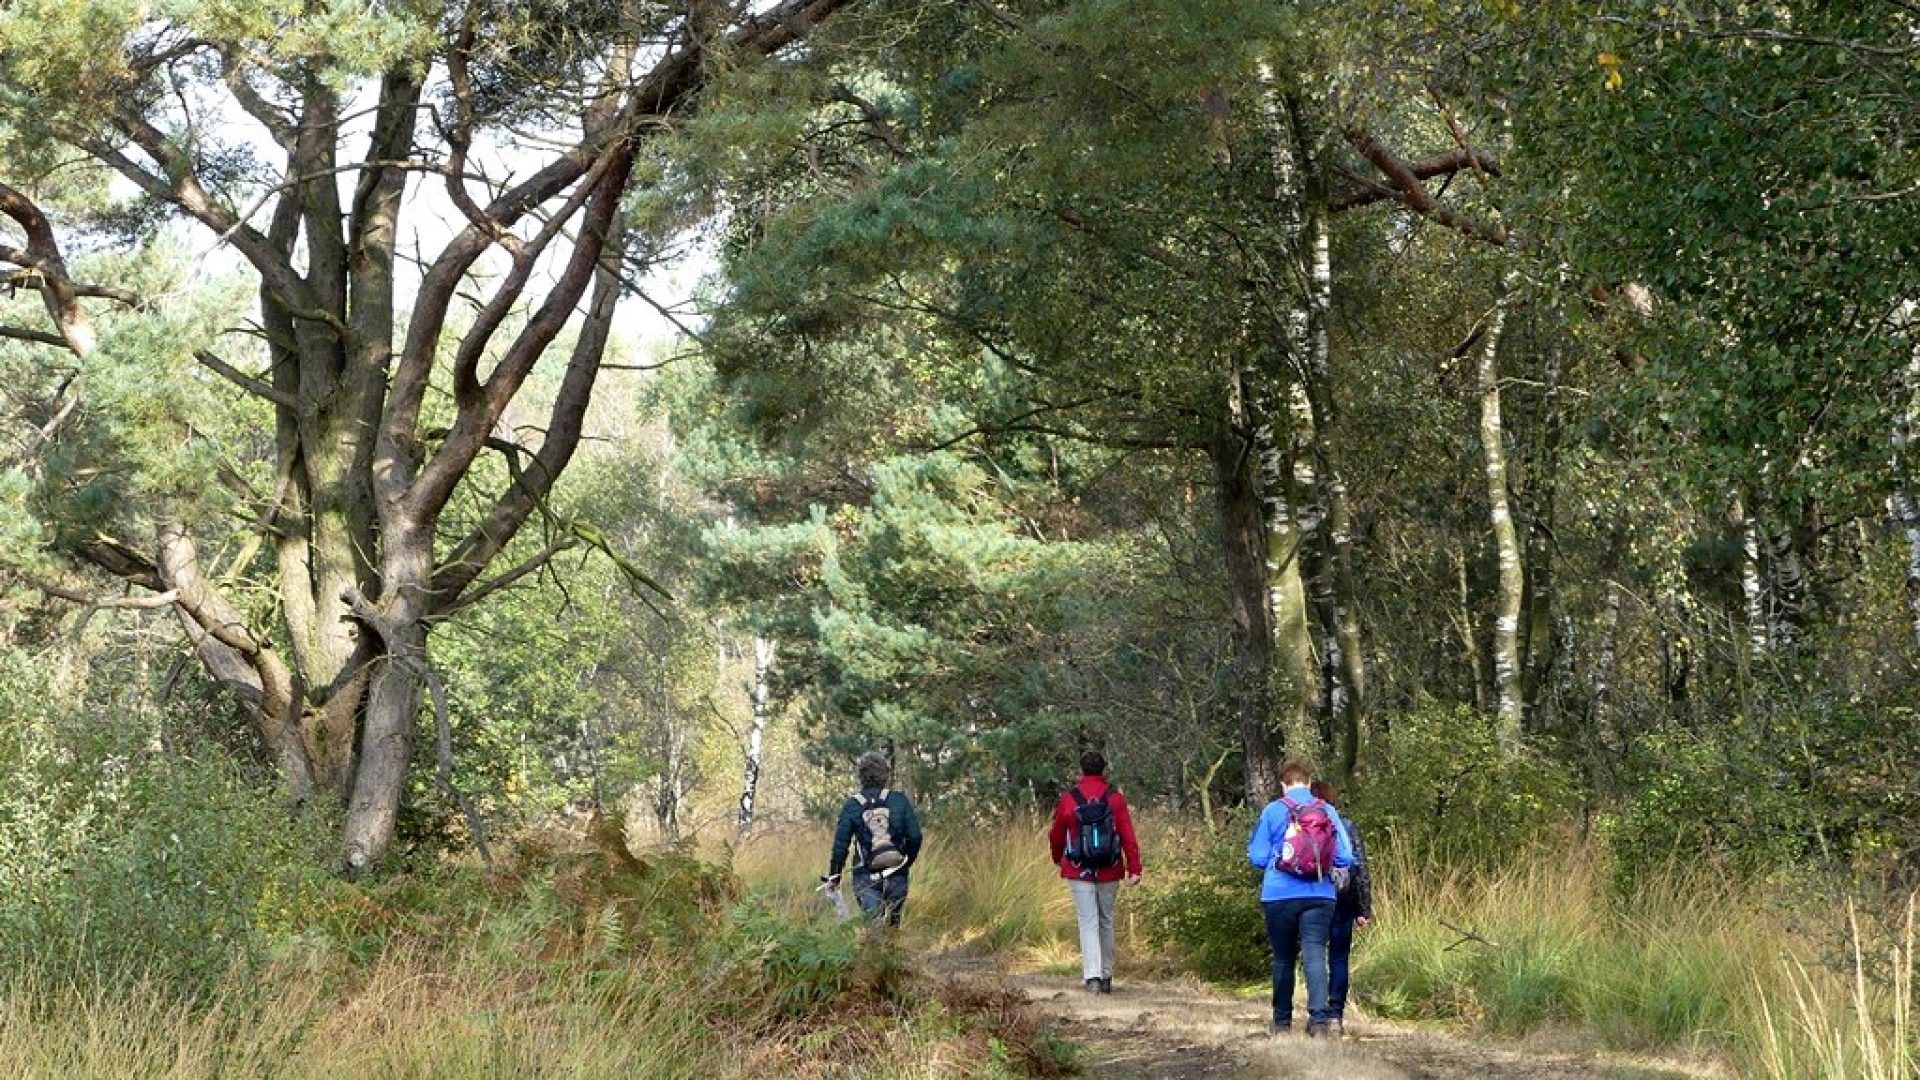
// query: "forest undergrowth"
[[576, 957], [570, 959]]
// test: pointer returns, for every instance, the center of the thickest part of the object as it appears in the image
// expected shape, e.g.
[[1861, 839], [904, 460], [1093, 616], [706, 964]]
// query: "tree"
[[535, 119]]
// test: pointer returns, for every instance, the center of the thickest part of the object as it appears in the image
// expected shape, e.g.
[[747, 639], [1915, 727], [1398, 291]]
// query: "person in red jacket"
[[1093, 844]]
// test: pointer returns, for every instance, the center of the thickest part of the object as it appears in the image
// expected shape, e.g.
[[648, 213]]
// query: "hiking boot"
[[1106, 986], [1276, 1030], [1093, 986], [1317, 1029]]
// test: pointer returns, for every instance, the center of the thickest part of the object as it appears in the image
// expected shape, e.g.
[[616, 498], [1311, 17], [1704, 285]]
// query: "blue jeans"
[[881, 897], [1339, 948], [1299, 927]]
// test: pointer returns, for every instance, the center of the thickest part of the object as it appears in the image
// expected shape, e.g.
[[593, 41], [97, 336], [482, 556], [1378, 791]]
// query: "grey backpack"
[[876, 834]]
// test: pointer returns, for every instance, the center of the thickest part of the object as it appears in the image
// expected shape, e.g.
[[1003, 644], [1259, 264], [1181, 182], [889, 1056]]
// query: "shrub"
[[126, 865], [1205, 903], [1450, 791]]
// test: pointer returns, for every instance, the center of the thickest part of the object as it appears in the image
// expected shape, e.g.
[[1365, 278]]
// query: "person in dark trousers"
[[1096, 888], [879, 827], [1352, 910], [1298, 909]]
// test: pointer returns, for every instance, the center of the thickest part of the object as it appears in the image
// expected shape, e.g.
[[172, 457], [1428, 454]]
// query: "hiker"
[[1299, 842], [1093, 844], [881, 828], [1352, 910]]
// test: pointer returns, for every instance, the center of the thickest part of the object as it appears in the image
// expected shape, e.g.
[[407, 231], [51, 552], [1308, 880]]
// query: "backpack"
[[1307, 847], [876, 834], [1093, 843]]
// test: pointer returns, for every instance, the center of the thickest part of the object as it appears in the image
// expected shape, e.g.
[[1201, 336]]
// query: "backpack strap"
[[1079, 797]]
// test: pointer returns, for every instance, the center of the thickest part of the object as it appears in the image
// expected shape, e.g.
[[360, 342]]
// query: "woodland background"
[[440, 434]]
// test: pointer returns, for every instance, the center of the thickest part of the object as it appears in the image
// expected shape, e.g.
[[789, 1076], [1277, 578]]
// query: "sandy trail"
[[1180, 1029]]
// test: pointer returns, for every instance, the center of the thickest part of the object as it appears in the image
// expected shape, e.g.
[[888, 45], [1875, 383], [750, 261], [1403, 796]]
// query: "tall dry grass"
[[411, 1014], [1691, 961], [1855, 1024], [551, 973]]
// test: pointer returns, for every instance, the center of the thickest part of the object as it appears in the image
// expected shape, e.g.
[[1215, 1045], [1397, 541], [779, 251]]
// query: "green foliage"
[[117, 865], [932, 619], [800, 968], [1204, 903], [1815, 770], [1439, 783]]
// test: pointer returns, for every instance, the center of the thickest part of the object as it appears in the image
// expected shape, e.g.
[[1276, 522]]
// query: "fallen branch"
[[1466, 936]]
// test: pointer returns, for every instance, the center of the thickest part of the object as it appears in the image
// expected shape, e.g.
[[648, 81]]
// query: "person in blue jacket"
[[1299, 910]]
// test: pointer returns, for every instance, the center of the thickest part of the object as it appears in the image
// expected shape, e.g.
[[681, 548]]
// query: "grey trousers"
[[1093, 903]]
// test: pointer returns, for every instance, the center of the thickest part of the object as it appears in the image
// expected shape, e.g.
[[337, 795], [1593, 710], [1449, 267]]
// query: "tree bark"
[[1511, 589], [233, 653], [1243, 542], [1540, 645]]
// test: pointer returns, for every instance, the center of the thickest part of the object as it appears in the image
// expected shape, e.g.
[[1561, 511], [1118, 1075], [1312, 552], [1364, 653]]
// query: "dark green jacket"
[[904, 825]]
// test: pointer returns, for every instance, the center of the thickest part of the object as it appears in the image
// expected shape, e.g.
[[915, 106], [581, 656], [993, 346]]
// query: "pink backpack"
[[1307, 847]]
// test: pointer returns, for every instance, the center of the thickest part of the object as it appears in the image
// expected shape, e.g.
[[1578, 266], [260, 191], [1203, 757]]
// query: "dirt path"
[[1178, 1029]]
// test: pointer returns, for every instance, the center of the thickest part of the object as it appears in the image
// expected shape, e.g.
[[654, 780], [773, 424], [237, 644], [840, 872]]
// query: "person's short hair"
[[1325, 791], [1093, 763], [1294, 772], [873, 769]]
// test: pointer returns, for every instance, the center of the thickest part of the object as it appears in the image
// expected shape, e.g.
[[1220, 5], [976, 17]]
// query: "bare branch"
[[249, 383], [876, 122], [39, 337], [132, 603], [1413, 194], [185, 191], [1444, 165], [49, 270], [507, 579]]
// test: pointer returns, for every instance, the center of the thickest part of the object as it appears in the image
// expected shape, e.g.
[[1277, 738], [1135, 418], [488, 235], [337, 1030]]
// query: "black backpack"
[[876, 834], [1094, 844]]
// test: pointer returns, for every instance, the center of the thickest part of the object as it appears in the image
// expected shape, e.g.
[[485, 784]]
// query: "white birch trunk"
[[1906, 420], [762, 669], [1789, 580], [1602, 684], [1751, 589], [1512, 576], [1290, 524]]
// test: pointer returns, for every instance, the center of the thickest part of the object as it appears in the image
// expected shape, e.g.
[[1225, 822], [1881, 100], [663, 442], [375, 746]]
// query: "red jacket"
[[1063, 820]]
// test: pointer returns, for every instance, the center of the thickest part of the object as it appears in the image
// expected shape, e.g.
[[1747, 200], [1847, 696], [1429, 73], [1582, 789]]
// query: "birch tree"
[[1511, 592], [762, 691]]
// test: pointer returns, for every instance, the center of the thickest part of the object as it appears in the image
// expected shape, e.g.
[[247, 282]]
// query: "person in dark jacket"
[[878, 826], [1352, 909], [1095, 889]]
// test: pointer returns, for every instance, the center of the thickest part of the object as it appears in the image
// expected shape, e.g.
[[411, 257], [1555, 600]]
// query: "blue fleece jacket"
[[1264, 844]]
